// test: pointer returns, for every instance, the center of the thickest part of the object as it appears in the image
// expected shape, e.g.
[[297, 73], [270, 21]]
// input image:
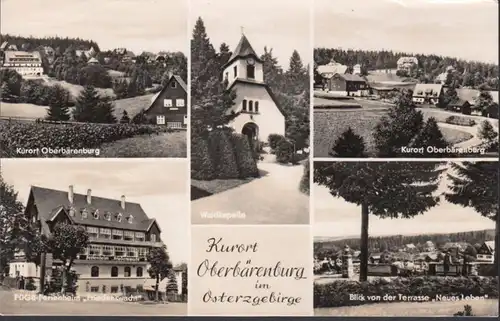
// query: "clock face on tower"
[[251, 61]]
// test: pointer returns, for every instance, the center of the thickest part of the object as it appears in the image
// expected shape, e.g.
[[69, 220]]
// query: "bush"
[[202, 167], [304, 182], [337, 293], [274, 140], [30, 284], [284, 152], [247, 166], [460, 121], [349, 144], [222, 152], [487, 133], [55, 284], [467, 312]]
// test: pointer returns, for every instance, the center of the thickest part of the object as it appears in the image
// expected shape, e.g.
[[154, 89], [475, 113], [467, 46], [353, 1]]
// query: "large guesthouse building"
[[120, 236], [24, 63]]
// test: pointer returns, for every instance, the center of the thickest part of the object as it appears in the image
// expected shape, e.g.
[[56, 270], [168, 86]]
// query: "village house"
[[461, 106], [407, 64], [356, 69], [429, 246], [410, 247], [6, 46], [259, 112], [93, 61], [169, 106], [88, 53], [120, 236], [327, 71], [427, 94], [441, 78], [486, 253], [348, 85], [128, 56], [24, 63]]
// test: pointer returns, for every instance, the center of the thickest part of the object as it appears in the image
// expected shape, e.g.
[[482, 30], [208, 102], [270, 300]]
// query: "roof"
[[423, 89], [133, 105], [17, 55], [4, 45], [93, 60], [176, 78], [350, 77], [331, 69], [243, 49], [406, 60], [471, 94], [411, 245], [490, 245], [50, 202], [269, 91], [458, 102]]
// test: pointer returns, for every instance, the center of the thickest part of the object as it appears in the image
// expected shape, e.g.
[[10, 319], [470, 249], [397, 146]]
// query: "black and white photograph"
[[93, 78], [406, 238], [250, 94], [405, 79], [105, 238]]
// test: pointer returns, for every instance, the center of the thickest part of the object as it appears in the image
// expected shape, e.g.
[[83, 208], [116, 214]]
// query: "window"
[[174, 124], [96, 214], [235, 71], [173, 84], [117, 234], [130, 219], [84, 251], [94, 271], [94, 289], [128, 236], [244, 104], [95, 250], [120, 251], [114, 289], [93, 232], [114, 272], [256, 106], [119, 217], [227, 75], [167, 102], [179, 102], [138, 272], [250, 106], [131, 252], [143, 252], [140, 236], [127, 272], [160, 120], [71, 212], [107, 216], [251, 72], [105, 233], [153, 237], [108, 250], [84, 213]]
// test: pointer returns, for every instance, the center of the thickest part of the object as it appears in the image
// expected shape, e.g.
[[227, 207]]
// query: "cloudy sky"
[[163, 197], [283, 25], [140, 25], [336, 218], [461, 28]]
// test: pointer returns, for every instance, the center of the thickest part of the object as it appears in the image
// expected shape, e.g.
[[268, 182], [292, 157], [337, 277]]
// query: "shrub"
[[284, 152], [487, 133], [222, 152], [349, 144], [304, 182], [337, 293], [30, 284], [202, 167], [460, 121], [467, 312], [274, 140], [247, 166], [55, 284]]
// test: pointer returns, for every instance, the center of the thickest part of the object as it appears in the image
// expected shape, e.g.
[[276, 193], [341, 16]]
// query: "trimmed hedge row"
[[336, 294], [222, 154], [460, 121]]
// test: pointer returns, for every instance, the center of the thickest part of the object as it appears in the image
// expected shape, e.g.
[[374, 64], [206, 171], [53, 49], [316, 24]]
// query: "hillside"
[[57, 43]]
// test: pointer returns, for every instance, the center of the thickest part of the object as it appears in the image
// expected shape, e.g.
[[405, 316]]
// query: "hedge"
[[304, 182], [336, 294], [460, 121], [222, 152], [247, 166], [284, 152], [202, 167], [274, 140]]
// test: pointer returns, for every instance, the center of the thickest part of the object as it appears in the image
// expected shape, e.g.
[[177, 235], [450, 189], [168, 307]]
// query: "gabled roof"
[[350, 77], [50, 202], [175, 78], [332, 68], [423, 89], [243, 50], [93, 61], [471, 94], [406, 60], [490, 245], [269, 91], [458, 102]]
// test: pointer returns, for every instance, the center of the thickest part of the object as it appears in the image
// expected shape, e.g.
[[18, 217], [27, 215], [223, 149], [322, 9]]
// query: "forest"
[[468, 73]]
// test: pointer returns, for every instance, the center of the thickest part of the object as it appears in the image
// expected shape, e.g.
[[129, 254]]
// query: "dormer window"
[[173, 84], [96, 214], [130, 219], [107, 216], [84, 213], [119, 217], [71, 212]]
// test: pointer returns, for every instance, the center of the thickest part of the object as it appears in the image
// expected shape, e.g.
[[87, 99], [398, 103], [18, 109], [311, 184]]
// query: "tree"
[[297, 78], [349, 144], [475, 185], [86, 105], [487, 132], [484, 100], [12, 222], [58, 104], [104, 112], [160, 265], [5, 91], [125, 119], [387, 190], [172, 286], [65, 243], [430, 136]]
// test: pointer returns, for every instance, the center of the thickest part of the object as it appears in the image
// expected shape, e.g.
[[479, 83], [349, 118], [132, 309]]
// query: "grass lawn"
[[330, 124], [482, 308], [201, 189], [325, 103], [163, 145]]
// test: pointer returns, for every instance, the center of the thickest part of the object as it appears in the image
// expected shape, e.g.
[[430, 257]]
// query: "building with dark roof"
[[120, 236], [427, 93], [348, 85], [24, 63]]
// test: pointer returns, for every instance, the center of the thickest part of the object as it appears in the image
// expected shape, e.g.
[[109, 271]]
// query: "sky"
[[139, 25], [162, 197], [283, 25], [465, 29], [333, 217]]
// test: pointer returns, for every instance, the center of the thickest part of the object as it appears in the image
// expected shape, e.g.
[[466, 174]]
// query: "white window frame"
[[160, 120], [180, 102], [140, 236], [110, 249], [129, 235], [167, 103], [175, 124], [122, 249], [153, 237], [105, 233]]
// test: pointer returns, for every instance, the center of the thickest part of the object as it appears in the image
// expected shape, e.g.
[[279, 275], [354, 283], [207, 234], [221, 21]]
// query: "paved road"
[[473, 130], [272, 199]]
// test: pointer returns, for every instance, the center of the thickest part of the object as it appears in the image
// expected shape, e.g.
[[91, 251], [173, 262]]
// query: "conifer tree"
[[58, 104], [349, 144], [86, 105]]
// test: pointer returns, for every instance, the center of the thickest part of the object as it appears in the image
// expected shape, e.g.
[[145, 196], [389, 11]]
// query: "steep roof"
[[243, 49], [406, 60], [13, 56], [471, 94], [332, 68], [175, 78], [423, 89], [50, 202], [490, 245], [350, 77], [266, 86]]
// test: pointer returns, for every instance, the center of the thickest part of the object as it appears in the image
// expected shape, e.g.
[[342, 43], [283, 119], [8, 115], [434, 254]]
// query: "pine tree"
[[349, 144], [296, 75], [273, 74], [86, 105], [476, 185], [430, 136], [58, 104], [172, 286], [125, 119], [487, 132], [383, 189], [104, 112], [484, 100]]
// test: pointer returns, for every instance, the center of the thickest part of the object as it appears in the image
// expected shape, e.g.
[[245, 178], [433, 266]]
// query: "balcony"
[[104, 259], [97, 240]]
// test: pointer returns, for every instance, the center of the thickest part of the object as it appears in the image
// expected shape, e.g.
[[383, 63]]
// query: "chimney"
[[123, 201], [89, 196], [70, 194]]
